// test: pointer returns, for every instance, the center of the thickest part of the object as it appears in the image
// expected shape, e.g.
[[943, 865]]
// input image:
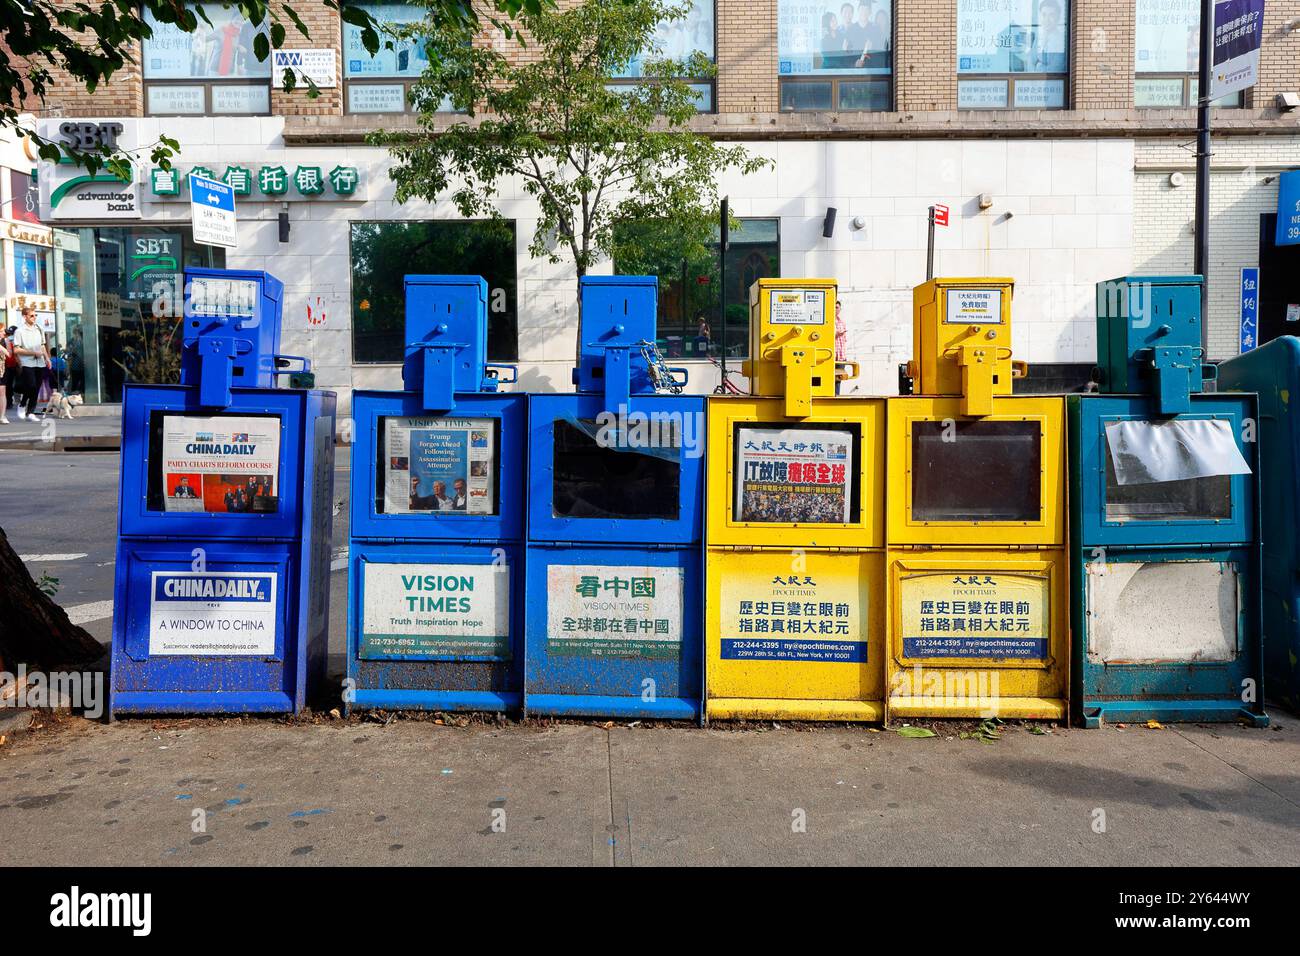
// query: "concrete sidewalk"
[[360, 792], [97, 428]]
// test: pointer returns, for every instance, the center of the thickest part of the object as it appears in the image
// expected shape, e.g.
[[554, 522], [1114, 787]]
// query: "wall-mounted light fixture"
[[828, 224]]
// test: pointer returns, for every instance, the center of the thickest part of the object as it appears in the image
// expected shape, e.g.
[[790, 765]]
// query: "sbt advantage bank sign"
[[68, 191], [204, 613]]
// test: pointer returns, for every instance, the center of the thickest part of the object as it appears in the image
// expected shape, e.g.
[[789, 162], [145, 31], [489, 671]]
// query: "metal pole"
[[724, 237], [929, 250], [1201, 260]]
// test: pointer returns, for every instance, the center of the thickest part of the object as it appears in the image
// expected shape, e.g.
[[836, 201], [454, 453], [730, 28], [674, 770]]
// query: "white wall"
[[1071, 224], [1243, 186]]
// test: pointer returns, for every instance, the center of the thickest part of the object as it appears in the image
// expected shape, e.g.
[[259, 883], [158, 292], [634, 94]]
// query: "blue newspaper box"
[[224, 519], [1272, 371], [435, 577], [1164, 520], [615, 507]]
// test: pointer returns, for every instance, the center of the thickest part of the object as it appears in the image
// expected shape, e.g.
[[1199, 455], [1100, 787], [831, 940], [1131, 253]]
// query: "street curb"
[[69, 443]]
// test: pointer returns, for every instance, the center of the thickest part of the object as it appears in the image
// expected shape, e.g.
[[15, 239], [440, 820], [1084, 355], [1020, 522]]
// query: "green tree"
[[591, 153], [92, 41]]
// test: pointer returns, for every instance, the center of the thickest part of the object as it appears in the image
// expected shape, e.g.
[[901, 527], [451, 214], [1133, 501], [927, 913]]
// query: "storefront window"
[[31, 269], [693, 292], [382, 83], [678, 40], [210, 71], [1013, 55], [1167, 55], [118, 293], [835, 56], [383, 253]]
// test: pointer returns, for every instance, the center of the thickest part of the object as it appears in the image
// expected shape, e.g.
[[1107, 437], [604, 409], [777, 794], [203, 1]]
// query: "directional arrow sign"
[[212, 210]]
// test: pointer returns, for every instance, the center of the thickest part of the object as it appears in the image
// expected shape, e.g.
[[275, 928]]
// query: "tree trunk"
[[577, 335], [33, 629]]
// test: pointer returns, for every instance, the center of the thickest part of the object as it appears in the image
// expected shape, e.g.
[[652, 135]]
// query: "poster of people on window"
[[221, 49], [439, 464], [223, 465], [1167, 36], [1013, 36], [829, 38], [395, 57], [794, 475], [678, 39]]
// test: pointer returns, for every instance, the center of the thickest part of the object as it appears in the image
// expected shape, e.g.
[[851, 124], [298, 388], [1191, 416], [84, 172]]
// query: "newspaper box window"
[[976, 471], [225, 517], [602, 472], [1165, 526], [1197, 488], [432, 464], [226, 464], [798, 474], [795, 559], [613, 618], [435, 565]]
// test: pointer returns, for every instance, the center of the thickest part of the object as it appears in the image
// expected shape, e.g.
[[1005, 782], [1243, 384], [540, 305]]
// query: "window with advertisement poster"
[[24, 198], [1013, 54], [834, 55], [1167, 55]]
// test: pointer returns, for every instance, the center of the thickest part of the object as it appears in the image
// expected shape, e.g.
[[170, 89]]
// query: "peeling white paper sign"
[[1147, 452]]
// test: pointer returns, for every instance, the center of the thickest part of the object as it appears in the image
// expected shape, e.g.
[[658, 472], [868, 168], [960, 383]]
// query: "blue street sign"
[[211, 193], [1288, 209], [212, 212], [1249, 309]]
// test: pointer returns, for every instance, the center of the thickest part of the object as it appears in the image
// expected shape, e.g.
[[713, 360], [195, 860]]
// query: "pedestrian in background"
[[6, 356], [33, 361]]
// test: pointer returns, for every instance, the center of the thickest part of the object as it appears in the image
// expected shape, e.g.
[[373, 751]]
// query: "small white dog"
[[60, 405]]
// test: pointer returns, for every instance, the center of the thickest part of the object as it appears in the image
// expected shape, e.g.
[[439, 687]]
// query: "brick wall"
[[1103, 54], [1279, 56], [325, 27], [746, 48], [924, 77], [122, 95], [925, 55]]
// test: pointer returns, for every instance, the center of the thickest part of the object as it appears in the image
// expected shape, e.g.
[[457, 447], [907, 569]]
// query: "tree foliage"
[[92, 41], [592, 153]]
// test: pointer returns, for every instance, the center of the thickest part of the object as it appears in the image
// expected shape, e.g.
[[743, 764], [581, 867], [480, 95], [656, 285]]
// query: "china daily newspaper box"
[[225, 514], [435, 567], [795, 545], [1272, 371], [614, 523], [1164, 520], [975, 528]]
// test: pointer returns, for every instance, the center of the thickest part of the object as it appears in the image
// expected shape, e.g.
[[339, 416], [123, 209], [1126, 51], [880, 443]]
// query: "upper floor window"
[[677, 40], [1167, 55], [382, 83], [835, 56], [210, 71], [1013, 54]]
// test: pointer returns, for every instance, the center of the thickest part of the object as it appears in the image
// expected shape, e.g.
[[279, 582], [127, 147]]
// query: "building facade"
[[1059, 132]]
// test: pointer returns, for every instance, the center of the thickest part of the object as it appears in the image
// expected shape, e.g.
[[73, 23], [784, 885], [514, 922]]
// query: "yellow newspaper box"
[[795, 526], [977, 586]]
